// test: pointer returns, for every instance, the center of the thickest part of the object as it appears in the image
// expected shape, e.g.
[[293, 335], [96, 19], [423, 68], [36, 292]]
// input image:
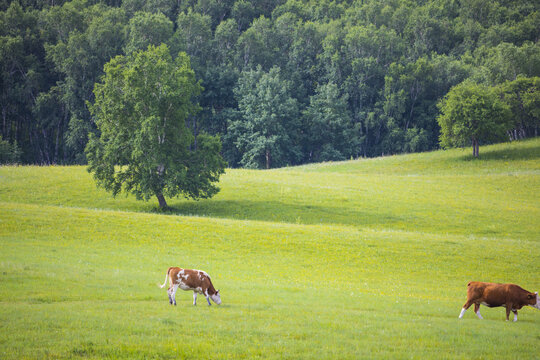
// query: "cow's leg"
[[169, 292], [477, 310], [508, 309], [173, 294], [515, 314], [465, 307], [194, 298], [207, 297]]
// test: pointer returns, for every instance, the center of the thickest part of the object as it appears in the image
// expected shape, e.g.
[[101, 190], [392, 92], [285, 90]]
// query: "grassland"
[[359, 259]]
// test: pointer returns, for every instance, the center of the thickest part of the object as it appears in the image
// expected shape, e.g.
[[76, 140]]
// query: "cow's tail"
[[166, 277]]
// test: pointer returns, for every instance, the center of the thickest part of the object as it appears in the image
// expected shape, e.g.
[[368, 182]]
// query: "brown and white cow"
[[188, 279], [511, 296]]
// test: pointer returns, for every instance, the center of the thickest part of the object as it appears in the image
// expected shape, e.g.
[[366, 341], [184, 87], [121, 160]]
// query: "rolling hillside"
[[366, 258]]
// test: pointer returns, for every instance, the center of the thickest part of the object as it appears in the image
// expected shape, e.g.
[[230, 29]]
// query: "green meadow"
[[358, 259]]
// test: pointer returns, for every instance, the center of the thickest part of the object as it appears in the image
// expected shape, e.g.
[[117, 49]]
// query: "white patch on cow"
[[484, 303], [199, 289], [180, 273], [183, 285], [462, 312], [515, 317], [185, 277], [194, 298]]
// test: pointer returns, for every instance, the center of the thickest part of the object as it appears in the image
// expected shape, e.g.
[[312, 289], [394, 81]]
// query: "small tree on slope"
[[472, 113]]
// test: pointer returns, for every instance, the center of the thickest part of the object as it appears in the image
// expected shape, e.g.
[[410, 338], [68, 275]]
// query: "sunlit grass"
[[361, 259]]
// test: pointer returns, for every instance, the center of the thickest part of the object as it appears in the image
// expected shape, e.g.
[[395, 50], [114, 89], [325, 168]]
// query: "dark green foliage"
[[267, 131], [166, 7], [80, 57], [329, 132], [386, 64], [523, 97], [23, 75], [9, 153], [147, 29]]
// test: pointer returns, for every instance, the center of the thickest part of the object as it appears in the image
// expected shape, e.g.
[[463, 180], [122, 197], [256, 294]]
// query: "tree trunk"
[[162, 202], [267, 159], [476, 147], [57, 144], [4, 117]]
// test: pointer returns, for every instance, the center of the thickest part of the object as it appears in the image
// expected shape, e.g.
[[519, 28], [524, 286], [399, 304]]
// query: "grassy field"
[[359, 259]]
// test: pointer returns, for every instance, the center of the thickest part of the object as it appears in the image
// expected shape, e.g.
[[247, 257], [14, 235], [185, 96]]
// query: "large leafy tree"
[[472, 113], [144, 146]]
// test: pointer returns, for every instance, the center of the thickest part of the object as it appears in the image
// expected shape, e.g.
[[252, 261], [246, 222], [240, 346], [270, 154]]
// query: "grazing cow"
[[511, 296], [188, 279]]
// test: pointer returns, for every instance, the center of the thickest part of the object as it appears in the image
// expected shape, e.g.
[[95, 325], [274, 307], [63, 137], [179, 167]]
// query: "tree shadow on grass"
[[518, 153], [282, 212]]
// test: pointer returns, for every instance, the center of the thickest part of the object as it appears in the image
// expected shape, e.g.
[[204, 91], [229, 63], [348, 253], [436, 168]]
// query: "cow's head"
[[216, 298], [534, 300]]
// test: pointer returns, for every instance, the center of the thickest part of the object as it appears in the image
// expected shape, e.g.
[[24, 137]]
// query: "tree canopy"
[[472, 113], [370, 73], [143, 145]]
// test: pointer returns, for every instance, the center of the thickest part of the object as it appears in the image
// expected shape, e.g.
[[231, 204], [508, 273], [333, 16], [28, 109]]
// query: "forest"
[[284, 82]]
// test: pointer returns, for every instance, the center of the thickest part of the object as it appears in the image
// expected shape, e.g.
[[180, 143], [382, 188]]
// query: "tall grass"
[[360, 259]]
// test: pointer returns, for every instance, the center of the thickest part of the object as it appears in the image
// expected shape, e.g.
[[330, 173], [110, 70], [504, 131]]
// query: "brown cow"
[[511, 296], [188, 279]]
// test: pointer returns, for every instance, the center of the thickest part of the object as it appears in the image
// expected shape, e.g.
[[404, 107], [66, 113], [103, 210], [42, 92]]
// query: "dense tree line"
[[284, 81]]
